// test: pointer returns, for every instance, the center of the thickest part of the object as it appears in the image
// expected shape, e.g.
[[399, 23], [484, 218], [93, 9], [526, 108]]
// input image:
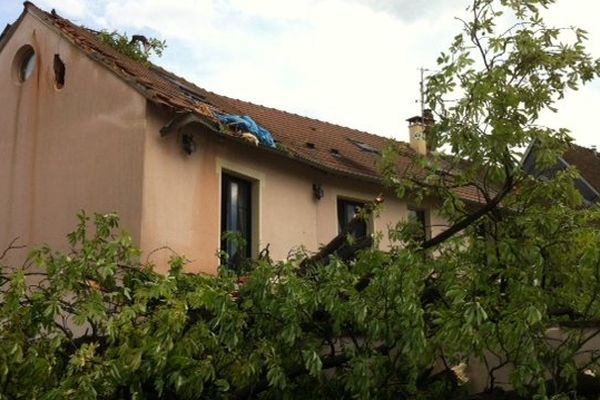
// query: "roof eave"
[[290, 155]]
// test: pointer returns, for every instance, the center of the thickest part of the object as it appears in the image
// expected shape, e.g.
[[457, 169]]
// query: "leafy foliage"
[[139, 50], [521, 265], [98, 325], [511, 286]]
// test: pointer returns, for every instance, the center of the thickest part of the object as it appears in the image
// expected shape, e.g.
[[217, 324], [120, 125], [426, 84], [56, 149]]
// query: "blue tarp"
[[247, 124]]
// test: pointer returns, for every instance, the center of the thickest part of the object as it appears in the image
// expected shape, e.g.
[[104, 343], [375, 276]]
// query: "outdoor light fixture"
[[189, 145], [318, 191]]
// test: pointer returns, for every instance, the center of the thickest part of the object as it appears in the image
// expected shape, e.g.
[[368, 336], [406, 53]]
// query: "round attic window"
[[24, 63]]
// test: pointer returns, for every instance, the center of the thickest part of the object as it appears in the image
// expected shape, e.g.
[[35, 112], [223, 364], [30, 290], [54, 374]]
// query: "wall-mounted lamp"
[[189, 145], [318, 191]]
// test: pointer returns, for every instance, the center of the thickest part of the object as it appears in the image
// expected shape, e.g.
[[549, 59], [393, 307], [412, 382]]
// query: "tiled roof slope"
[[322, 144], [326, 146], [587, 162]]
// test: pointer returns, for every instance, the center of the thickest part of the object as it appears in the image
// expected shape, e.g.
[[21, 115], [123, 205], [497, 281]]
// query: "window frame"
[[24, 64], [249, 186], [423, 216], [342, 220]]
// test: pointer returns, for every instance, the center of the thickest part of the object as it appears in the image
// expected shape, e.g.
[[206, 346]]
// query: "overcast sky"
[[350, 62]]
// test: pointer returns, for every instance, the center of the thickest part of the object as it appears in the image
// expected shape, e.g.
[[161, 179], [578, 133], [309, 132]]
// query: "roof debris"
[[245, 124]]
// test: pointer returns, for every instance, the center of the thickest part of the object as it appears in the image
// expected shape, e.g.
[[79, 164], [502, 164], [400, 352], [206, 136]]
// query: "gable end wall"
[[79, 147]]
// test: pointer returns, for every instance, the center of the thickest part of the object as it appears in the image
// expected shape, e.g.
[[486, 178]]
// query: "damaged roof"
[[328, 147], [586, 161]]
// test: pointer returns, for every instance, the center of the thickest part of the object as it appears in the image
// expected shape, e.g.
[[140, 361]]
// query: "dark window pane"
[[346, 211], [27, 65], [236, 209], [421, 217]]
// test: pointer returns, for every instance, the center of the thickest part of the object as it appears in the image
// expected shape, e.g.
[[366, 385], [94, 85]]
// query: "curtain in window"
[[236, 213]]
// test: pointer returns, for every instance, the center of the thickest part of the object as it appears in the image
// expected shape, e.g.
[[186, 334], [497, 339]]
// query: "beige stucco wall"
[[95, 145], [79, 147], [479, 379], [181, 197]]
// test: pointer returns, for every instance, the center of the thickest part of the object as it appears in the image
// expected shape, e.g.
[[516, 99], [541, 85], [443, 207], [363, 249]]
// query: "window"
[[348, 209], [24, 63], [421, 217], [236, 210]]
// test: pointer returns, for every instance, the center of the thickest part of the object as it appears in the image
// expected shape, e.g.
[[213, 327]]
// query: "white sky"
[[350, 62]]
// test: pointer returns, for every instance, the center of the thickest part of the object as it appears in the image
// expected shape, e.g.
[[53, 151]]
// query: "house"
[[85, 127], [587, 162]]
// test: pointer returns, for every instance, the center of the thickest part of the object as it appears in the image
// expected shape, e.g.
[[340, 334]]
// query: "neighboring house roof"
[[328, 147], [587, 162]]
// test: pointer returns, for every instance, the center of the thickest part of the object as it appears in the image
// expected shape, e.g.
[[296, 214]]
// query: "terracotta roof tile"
[[587, 162], [290, 131]]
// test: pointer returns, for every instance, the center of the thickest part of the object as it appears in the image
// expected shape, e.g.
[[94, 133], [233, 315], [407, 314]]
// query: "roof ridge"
[[55, 18], [90, 33]]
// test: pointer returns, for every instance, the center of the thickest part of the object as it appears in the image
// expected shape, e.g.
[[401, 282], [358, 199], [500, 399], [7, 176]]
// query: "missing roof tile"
[[191, 94], [334, 152], [364, 146], [310, 145], [185, 89]]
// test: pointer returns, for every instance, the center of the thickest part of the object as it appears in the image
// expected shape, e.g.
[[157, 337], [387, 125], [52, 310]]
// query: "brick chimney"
[[417, 131]]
